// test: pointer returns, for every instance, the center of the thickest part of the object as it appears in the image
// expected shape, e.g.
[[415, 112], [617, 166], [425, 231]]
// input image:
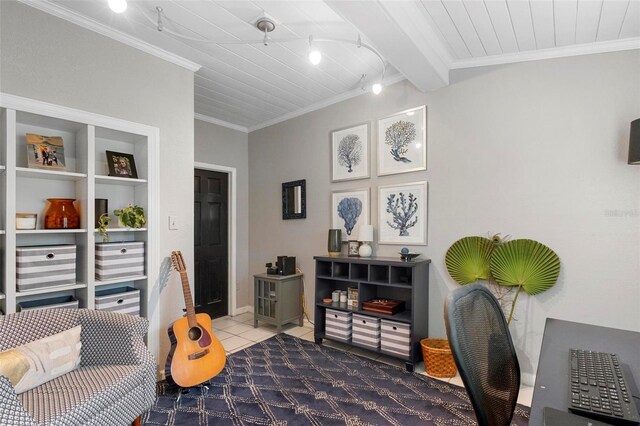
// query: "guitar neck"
[[188, 300]]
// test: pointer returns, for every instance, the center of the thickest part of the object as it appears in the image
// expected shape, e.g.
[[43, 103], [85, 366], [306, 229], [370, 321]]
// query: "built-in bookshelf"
[[86, 137]]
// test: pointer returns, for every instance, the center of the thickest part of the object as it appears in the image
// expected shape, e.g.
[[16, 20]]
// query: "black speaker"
[[286, 265]]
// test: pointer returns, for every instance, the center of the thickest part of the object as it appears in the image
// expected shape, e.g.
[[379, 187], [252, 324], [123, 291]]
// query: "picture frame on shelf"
[[349, 209], [45, 152], [121, 165], [402, 142], [350, 153], [402, 214], [353, 247]]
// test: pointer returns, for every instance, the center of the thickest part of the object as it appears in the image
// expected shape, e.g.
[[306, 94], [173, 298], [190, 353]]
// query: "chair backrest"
[[483, 351], [24, 327]]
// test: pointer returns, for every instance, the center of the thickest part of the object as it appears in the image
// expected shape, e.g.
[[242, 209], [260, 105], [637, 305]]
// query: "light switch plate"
[[173, 222]]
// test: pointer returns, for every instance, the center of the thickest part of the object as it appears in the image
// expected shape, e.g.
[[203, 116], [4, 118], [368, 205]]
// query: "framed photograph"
[[121, 165], [45, 152], [353, 247], [350, 153], [402, 142], [349, 209], [402, 214]]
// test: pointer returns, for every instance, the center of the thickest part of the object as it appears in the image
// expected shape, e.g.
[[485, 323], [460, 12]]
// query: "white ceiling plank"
[[613, 15], [251, 114], [207, 95], [631, 25], [221, 113], [565, 18], [223, 123], [587, 20], [501, 20], [466, 29], [212, 88], [392, 42], [522, 24], [543, 23], [484, 27], [445, 25]]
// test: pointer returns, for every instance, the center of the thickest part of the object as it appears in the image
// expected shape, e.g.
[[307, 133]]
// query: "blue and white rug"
[[288, 381]]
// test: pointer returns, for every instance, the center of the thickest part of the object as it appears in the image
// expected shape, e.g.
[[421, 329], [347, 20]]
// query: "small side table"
[[277, 299]]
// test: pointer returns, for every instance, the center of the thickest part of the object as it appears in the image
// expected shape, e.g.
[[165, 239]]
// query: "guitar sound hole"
[[195, 333]]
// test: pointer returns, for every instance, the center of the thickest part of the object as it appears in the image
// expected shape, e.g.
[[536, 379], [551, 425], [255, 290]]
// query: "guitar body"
[[191, 362], [196, 355]]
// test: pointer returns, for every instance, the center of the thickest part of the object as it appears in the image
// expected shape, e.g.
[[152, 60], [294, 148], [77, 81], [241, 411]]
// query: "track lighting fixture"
[[314, 54], [118, 6], [265, 24]]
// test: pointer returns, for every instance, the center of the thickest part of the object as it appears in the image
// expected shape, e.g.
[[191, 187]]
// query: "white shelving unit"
[[86, 137]]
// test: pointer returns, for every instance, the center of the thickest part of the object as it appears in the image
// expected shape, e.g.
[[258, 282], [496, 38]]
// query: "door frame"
[[231, 227]]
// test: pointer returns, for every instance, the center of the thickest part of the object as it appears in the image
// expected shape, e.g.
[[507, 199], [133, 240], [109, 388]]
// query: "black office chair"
[[484, 353]]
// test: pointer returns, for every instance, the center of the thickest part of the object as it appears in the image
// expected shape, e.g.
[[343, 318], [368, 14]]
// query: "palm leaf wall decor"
[[467, 259]]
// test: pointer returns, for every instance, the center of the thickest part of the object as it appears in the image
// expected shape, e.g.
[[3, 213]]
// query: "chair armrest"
[[12, 413], [110, 338]]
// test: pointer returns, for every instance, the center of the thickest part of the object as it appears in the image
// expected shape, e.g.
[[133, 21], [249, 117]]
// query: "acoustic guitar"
[[196, 355]]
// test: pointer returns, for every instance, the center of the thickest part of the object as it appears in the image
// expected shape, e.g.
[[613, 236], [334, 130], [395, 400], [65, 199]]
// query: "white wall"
[[48, 59], [215, 144], [533, 150]]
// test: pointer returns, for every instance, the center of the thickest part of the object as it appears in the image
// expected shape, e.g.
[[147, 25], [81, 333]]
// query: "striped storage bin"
[[366, 331], [395, 338], [118, 260], [59, 302], [45, 266], [124, 300], [338, 325]]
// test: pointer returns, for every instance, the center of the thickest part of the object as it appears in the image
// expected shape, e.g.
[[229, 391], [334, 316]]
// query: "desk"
[[551, 385]]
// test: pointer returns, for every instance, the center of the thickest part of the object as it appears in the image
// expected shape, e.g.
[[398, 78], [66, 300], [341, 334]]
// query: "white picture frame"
[[339, 217], [350, 153], [409, 151], [405, 226]]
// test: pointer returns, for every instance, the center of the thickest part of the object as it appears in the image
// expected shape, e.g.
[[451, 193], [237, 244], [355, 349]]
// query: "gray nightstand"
[[277, 299]]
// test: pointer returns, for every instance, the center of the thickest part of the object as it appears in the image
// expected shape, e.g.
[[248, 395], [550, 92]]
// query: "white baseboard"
[[244, 309]]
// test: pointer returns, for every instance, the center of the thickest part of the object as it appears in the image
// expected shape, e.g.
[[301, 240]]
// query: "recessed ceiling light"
[[118, 6]]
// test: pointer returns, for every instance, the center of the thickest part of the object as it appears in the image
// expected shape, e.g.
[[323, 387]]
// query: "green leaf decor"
[[467, 259], [525, 263]]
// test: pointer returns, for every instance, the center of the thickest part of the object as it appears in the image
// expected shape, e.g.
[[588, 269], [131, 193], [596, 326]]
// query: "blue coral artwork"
[[349, 210], [350, 153], [402, 142], [402, 214]]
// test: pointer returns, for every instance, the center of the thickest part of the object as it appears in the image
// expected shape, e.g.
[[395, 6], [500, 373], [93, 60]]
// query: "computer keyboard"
[[598, 388]]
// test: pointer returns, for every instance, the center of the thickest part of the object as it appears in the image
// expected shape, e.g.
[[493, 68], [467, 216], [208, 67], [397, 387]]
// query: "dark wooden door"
[[211, 242]]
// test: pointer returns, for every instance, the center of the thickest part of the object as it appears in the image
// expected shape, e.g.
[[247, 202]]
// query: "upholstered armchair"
[[114, 384]]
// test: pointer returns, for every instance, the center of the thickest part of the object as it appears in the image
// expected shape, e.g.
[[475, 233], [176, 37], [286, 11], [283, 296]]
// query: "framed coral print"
[[402, 142], [402, 214], [349, 209], [350, 153]]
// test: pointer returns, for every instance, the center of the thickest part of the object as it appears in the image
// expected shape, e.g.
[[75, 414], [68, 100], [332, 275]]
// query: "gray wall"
[[222, 146], [532, 150], [52, 60]]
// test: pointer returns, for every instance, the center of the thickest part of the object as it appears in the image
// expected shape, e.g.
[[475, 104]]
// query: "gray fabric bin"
[[119, 260], [45, 266], [366, 331], [338, 325], [395, 337], [58, 302], [124, 300]]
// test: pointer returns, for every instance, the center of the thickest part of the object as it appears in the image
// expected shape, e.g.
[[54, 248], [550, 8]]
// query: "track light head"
[[118, 6], [376, 88], [315, 57]]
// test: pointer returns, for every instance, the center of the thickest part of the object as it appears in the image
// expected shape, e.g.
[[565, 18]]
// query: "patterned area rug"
[[288, 381]]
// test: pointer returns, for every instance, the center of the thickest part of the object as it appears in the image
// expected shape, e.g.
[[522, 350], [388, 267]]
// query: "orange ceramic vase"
[[61, 214]]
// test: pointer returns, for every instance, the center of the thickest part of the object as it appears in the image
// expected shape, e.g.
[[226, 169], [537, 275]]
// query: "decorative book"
[[383, 306]]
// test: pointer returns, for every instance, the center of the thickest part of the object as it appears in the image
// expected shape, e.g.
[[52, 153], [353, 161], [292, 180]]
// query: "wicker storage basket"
[[438, 361]]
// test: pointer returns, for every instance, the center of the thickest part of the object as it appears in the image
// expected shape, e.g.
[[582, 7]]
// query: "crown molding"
[[100, 28], [555, 52], [219, 122], [324, 103]]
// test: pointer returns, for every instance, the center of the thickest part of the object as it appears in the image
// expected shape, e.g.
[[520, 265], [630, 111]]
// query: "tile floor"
[[237, 333]]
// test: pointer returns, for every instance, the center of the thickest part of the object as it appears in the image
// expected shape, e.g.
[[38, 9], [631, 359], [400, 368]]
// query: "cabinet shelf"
[[2, 296], [50, 231], [49, 174], [110, 230], [2, 232], [52, 289], [404, 316], [369, 348], [120, 280], [115, 180]]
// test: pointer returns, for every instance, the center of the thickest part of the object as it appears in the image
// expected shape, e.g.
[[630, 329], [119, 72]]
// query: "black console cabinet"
[[376, 277]]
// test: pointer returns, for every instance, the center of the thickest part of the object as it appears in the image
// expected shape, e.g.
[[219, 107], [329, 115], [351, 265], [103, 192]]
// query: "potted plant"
[[131, 216]]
